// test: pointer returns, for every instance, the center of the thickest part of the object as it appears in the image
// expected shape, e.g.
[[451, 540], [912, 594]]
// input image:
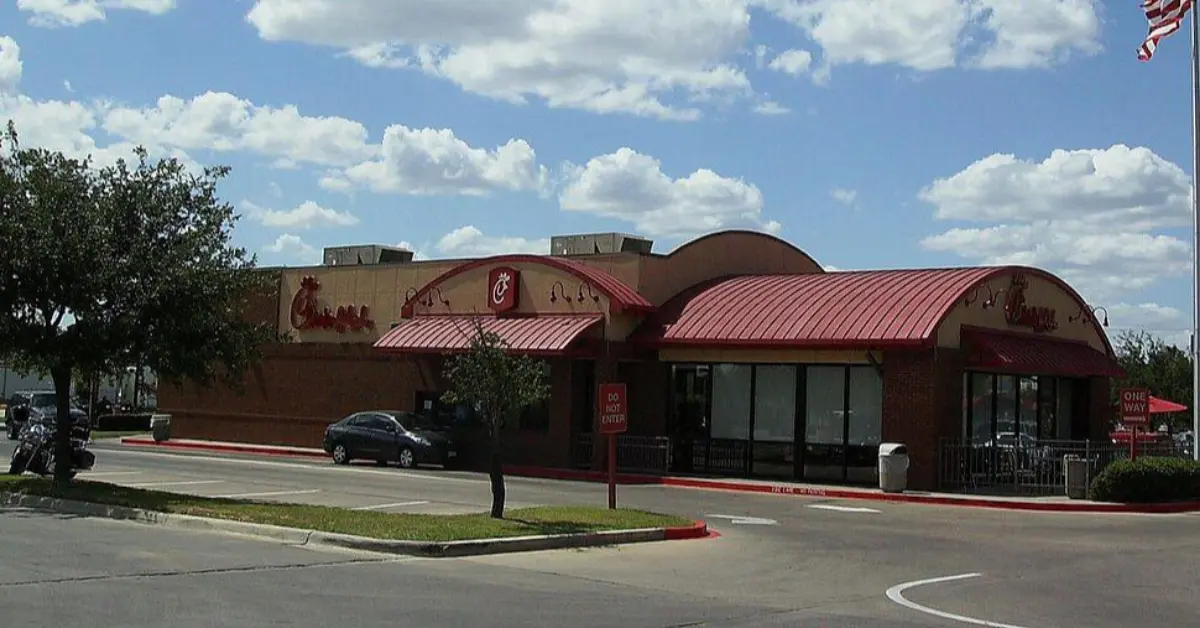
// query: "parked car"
[[385, 436]]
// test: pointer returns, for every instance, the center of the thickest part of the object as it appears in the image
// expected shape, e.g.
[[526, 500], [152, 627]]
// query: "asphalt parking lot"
[[790, 560]]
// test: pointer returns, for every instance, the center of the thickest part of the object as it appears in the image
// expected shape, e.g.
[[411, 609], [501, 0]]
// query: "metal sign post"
[[614, 420]]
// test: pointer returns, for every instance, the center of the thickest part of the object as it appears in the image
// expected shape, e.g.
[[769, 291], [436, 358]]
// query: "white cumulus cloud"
[[630, 186], [54, 13], [1095, 216], [469, 241], [306, 215], [291, 248]]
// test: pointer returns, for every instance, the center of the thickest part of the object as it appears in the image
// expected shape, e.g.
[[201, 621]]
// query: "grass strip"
[[98, 435], [380, 525]]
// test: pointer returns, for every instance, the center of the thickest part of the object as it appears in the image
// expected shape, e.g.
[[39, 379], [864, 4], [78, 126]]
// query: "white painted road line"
[[106, 474], [745, 520], [186, 483], [842, 508], [385, 506], [270, 494], [896, 594], [286, 465]]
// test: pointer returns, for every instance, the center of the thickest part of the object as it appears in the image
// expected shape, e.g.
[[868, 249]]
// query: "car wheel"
[[407, 458], [340, 454]]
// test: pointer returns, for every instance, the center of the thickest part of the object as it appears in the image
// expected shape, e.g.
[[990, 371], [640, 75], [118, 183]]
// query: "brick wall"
[[922, 404]]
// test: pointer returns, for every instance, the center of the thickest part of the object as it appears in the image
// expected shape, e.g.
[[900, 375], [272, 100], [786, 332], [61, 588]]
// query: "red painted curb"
[[836, 493], [697, 530], [234, 449]]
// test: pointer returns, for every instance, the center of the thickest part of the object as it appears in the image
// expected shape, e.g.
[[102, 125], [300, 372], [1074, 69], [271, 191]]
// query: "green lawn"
[[381, 525]]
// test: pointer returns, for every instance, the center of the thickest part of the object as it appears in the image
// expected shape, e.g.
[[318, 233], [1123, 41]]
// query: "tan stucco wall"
[[1040, 293], [383, 290], [766, 356], [719, 255]]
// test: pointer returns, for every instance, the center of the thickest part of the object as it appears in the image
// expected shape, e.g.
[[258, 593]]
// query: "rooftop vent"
[[366, 255], [599, 243]]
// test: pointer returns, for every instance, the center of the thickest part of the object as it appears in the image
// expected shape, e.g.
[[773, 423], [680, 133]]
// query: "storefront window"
[[866, 423], [731, 401], [1028, 408], [1066, 406], [1047, 410], [774, 420], [690, 388], [825, 423], [980, 420], [1006, 405]]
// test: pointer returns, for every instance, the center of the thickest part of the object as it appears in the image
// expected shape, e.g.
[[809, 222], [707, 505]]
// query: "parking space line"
[[842, 508], [269, 494], [384, 506], [896, 594], [181, 483], [105, 474]]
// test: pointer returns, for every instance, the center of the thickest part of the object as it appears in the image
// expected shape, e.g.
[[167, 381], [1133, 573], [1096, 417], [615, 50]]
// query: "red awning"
[[1038, 356], [444, 334], [1162, 406]]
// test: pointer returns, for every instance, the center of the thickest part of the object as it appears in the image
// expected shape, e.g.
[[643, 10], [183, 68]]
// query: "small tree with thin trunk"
[[104, 268], [498, 384]]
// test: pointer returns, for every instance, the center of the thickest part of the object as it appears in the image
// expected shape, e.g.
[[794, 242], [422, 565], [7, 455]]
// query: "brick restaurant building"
[[737, 348]]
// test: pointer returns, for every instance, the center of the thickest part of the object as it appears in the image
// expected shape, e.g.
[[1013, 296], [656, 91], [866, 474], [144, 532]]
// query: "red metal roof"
[[545, 335], [820, 310], [1036, 355], [621, 297]]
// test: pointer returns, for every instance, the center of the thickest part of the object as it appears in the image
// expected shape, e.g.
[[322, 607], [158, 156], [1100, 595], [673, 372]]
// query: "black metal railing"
[[1030, 467], [635, 454]]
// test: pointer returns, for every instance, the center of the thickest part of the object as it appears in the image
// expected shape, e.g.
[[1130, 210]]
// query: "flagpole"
[[1195, 241]]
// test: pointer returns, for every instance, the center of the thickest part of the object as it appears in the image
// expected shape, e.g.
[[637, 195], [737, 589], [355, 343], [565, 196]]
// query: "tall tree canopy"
[[1164, 369], [498, 384], [131, 264]]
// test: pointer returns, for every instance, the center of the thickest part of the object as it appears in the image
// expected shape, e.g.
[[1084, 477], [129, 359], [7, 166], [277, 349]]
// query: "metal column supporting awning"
[[534, 335]]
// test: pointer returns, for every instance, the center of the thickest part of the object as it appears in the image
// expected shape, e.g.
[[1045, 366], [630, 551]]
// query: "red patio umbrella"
[[1162, 406]]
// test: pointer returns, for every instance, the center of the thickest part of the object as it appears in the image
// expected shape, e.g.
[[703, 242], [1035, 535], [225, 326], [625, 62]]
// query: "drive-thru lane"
[[1036, 569]]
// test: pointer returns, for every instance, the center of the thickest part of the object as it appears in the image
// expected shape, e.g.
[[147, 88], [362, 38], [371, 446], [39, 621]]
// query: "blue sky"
[[879, 133]]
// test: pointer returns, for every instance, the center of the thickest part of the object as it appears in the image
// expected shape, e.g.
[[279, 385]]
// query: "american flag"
[[1165, 17]]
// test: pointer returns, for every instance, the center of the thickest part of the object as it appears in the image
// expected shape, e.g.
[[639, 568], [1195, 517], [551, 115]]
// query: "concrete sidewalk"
[[1044, 504]]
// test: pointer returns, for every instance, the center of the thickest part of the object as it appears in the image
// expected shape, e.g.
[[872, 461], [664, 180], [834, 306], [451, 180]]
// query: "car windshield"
[[42, 400], [412, 421]]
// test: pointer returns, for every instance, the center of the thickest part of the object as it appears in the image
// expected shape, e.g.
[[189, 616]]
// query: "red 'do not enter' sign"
[[1135, 406], [614, 409]]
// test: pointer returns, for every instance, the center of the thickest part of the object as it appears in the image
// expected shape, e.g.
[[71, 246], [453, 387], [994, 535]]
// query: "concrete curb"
[[296, 536], [747, 487]]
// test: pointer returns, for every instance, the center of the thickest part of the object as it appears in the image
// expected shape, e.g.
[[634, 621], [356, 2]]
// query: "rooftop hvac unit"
[[366, 255], [599, 243]]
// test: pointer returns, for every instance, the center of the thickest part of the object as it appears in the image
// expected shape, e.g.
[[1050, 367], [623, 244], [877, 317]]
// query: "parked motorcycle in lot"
[[36, 450]]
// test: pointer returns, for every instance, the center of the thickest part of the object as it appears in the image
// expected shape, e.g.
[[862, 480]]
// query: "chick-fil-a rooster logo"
[[1017, 313], [307, 313], [503, 287]]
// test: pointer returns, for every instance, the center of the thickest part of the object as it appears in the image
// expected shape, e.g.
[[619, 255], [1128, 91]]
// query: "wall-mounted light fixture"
[[558, 291], [976, 292], [428, 300], [580, 297]]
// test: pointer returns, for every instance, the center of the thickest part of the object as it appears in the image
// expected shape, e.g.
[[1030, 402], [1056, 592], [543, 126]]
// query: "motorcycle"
[[36, 450]]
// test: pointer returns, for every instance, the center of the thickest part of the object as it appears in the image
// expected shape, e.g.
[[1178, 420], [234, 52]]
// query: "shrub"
[[1148, 480]]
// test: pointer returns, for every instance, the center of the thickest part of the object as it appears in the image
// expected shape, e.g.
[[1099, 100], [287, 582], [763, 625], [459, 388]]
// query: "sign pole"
[[612, 471], [614, 419], [1195, 240], [1133, 445]]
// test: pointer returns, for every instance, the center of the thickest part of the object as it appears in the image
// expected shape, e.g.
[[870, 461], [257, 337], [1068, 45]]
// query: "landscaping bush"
[[1148, 480], [123, 423]]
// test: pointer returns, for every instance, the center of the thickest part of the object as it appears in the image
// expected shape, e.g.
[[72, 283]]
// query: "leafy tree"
[[497, 384], [126, 264], [1164, 369]]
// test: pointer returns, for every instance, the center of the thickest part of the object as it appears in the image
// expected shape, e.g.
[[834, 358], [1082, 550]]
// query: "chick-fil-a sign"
[[503, 286]]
